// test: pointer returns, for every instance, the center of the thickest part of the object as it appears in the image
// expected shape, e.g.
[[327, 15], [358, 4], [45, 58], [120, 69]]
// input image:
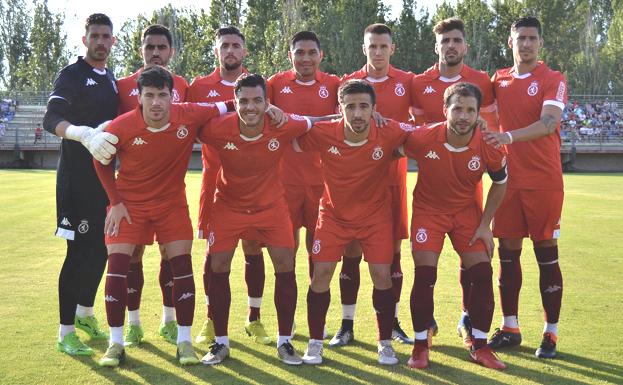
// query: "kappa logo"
[[213, 94], [377, 153], [176, 96], [504, 84], [432, 155], [333, 150], [533, 88], [345, 277], [407, 127], [552, 289], [132, 290], [560, 94], [83, 227], [429, 90], [474, 163], [185, 296], [297, 117], [138, 142], [229, 146], [286, 90], [273, 144], [169, 284], [316, 247], [182, 132], [396, 274], [134, 92], [91, 82], [421, 235], [323, 92], [211, 238], [65, 222], [399, 90], [110, 298]]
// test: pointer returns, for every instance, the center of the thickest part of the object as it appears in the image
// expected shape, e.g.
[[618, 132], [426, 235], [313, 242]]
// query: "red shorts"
[[170, 222], [400, 215], [303, 202], [209, 175], [331, 238], [428, 231], [534, 213], [270, 226]]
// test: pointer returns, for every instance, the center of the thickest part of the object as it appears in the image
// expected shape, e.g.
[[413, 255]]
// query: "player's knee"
[[545, 243], [251, 247], [321, 279], [511, 243], [219, 264], [381, 277]]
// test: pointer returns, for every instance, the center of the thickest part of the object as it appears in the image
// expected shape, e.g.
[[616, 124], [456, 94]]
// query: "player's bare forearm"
[[61, 128], [494, 200], [315, 119], [546, 125]]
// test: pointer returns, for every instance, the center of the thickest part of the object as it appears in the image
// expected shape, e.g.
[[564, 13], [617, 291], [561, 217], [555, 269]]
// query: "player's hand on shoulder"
[[276, 115], [114, 217], [496, 139], [484, 126], [102, 144], [379, 119]]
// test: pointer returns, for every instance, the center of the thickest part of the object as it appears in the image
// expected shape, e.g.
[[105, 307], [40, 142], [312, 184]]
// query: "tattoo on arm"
[[549, 122]]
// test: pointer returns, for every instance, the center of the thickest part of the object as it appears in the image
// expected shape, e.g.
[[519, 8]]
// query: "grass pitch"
[[590, 344]]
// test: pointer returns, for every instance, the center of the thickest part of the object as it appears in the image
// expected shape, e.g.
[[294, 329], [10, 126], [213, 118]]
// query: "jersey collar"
[[371, 135], [291, 75], [441, 138], [363, 72]]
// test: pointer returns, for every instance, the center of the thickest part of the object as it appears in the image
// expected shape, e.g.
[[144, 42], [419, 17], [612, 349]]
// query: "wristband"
[[510, 137]]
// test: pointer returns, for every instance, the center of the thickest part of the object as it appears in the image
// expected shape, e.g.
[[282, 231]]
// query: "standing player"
[[531, 98], [452, 156], [156, 49], [355, 156], [427, 92], [219, 86], [148, 197], [303, 90], [393, 93], [84, 96], [250, 204]]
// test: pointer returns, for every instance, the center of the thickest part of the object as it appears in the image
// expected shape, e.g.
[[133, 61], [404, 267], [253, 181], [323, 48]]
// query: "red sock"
[[422, 305], [135, 285], [384, 304], [183, 289], [465, 285], [206, 281], [254, 276], [116, 289], [285, 301], [481, 303], [317, 307], [349, 280], [550, 281], [220, 301], [396, 272], [166, 283], [510, 280]]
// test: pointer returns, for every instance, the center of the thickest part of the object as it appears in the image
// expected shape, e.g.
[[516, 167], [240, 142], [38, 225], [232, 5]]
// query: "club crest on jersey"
[[182, 132], [316, 247], [273, 144], [211, 238], [533, 88], [474, 163], [377, 153], [83, 227], [399, 89], [176, 96], [323, 92], [421, 235]]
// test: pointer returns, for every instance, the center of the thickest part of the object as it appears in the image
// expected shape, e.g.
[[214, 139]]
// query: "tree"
[[15, 23], [265, 37], [414, 39], [48, 48]]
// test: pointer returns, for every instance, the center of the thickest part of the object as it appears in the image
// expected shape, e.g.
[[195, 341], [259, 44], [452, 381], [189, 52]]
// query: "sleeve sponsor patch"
[[560, 95]]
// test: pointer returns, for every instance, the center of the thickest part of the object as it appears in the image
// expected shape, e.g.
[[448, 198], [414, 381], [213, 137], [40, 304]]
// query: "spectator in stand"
[[38, 133]]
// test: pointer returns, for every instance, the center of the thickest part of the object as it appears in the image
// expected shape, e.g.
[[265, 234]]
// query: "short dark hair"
[[304, 35], [158, 29], [378, 29], [249, 80], [450, 24], [527, 21], [97, 19], [462, 89], [230, 30], [356, 86], [155, 76]]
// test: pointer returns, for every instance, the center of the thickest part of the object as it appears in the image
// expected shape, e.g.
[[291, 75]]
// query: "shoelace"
[[215, 348], [289, 348]]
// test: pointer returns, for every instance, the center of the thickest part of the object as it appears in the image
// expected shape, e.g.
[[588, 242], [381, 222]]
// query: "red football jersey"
[[533, 165], [249, 178], [448, 176], [355, 174], [210, 88], [393, 101], [154, 161], [317, 98], [128, 91], [428, 88]]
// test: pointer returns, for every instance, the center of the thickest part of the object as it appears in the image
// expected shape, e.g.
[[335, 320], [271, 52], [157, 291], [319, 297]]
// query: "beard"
[[456, 132], [233, 66]]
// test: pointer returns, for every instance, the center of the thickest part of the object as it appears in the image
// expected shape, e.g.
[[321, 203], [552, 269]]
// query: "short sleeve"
[[486, 87], [270, 83], [412, 143], [297, 125], [116, 127], [307, 142], [64, 87], [495, 162], [205, 133], [201, 113], [555, 90]]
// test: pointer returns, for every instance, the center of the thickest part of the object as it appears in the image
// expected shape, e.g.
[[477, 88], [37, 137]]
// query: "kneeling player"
[[356, 156], [148, 197], [452, 156]]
